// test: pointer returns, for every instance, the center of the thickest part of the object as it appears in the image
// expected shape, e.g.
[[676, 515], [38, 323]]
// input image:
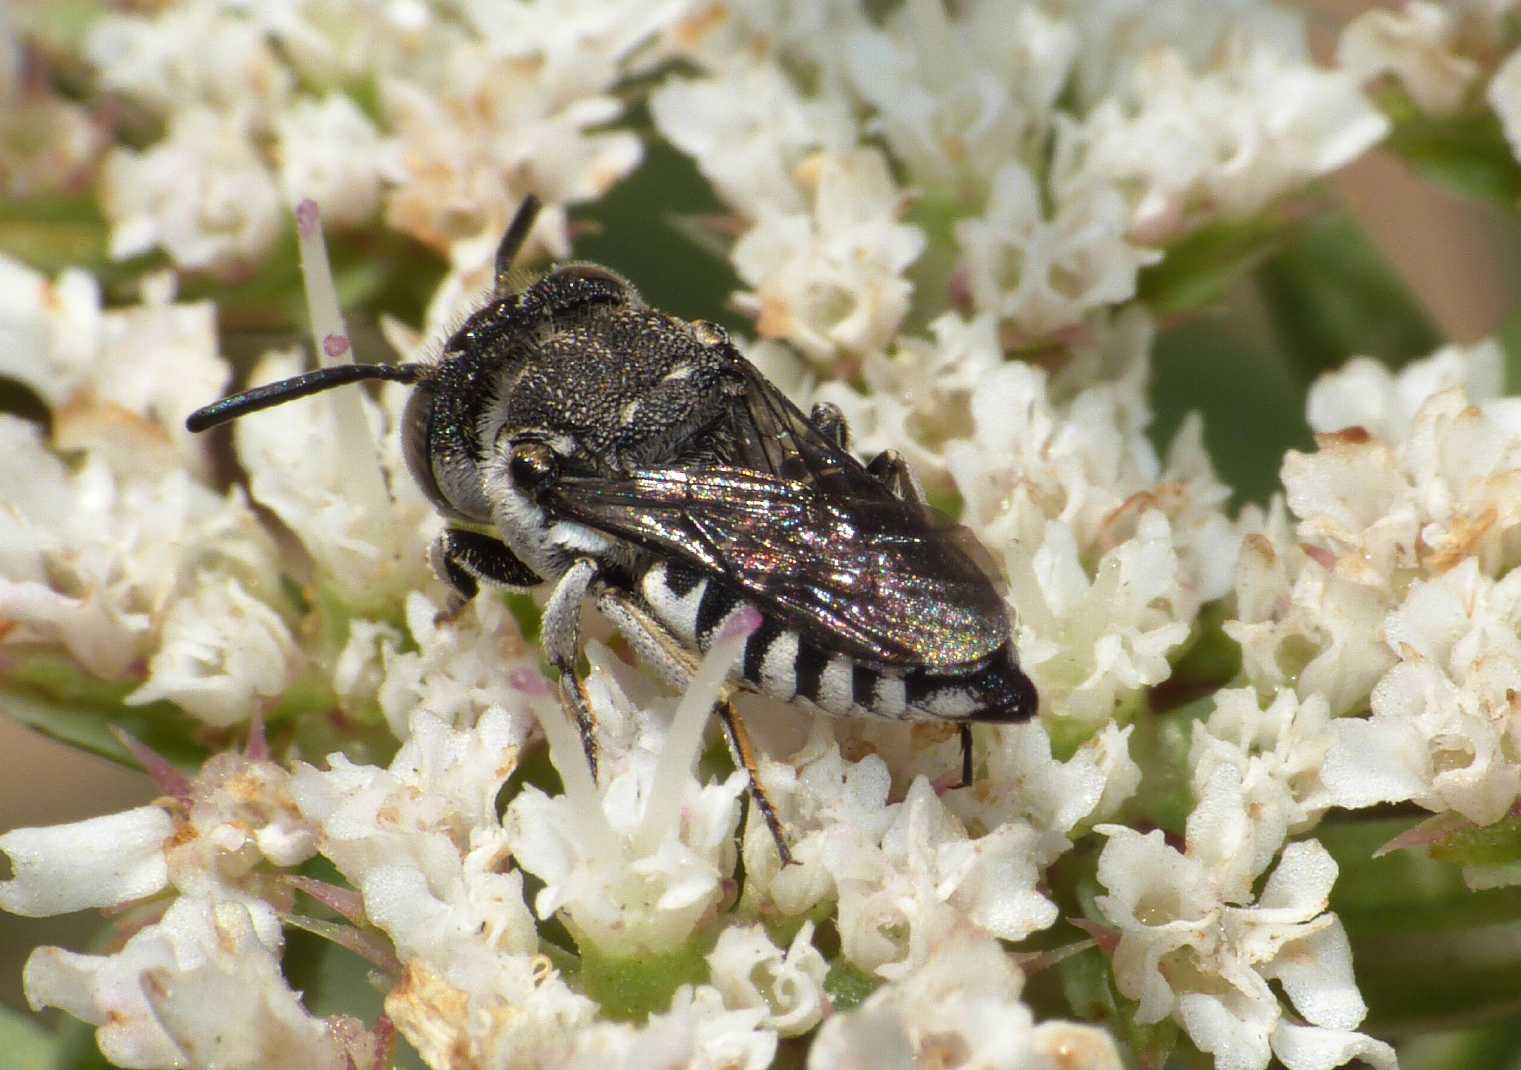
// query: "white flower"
[[831, 277], [1441, 491], [638, 860], [439, 791], [197, 54], [1037, 450], [422, 844], [904, 874], [460, 669], [514, 111], [1022, 779], [1045, 268], [698, 1031], [331, 153], [101, 862], [1444, 730], [1191, 947], [202, 194], [220, 654], [91, 560], [48, 329], [748, 127], [1301, 625], [1419, 45], [1504, 96], [47, 143], [1189, 147], [1365, 393], [236, 821], [1092, 644], [120, 381], [1276, 754], [1414, 481], [368, 536], [958, 96], [920, 396], [752, 972], [961, 1009], [163, 1000]]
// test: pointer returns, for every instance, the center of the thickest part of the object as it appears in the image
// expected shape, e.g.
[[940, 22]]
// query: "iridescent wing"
[[802, 528]]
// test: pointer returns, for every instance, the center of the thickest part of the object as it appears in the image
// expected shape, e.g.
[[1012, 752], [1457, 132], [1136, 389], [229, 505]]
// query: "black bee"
[[621, 452]]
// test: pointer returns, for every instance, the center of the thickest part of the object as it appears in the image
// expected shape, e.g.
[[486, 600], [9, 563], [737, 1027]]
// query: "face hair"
[[298, 386]]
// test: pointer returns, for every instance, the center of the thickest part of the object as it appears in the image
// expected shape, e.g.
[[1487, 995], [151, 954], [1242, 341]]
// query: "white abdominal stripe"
[[782, 663]]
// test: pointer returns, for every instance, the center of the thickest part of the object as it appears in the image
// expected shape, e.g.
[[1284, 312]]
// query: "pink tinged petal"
[[1430, 832], [96, 863], [340, 900], [1301, 1047], [257, 747], [375, 950], [170, 780]]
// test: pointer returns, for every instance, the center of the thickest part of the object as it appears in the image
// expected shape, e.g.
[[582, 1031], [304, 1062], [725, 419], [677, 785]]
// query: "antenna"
[[298, 386], [512, 242]]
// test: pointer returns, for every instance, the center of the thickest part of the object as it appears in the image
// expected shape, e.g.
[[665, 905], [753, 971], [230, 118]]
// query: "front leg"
[[893, 472], [561, 636], [463, 558]]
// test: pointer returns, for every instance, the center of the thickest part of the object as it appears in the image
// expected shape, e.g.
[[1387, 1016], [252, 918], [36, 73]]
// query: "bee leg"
[[965, 731], [892, 471], [562, 643], [827, 417], [744, 757], [462, 558]]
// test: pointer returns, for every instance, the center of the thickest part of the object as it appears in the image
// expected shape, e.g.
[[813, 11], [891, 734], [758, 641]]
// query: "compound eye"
[[532, 465]]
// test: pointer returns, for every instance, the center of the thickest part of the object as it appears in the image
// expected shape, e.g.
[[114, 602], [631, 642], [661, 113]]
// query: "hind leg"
[[676, 665]]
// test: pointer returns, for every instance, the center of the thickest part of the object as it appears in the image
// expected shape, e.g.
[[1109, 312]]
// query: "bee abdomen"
[[782, 663]]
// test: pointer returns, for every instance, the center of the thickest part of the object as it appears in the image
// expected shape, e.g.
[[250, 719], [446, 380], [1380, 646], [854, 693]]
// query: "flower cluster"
[[941, 218]]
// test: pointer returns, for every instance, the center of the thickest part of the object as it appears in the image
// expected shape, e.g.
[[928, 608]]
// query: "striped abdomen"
[[780, 662]]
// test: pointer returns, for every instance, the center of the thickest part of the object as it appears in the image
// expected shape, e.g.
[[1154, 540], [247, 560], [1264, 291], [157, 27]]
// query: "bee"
[[575, 436]]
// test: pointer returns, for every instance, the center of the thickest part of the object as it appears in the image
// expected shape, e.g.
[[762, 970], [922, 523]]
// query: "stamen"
[[684, 740]]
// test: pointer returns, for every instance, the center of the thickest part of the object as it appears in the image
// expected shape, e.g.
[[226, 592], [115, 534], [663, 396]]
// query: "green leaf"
[[333, 980], [1465, 153], [1200, 268], [161, 726], [24, 1041], [1331, 295], [632, 988], [1493, 845], [1160, 745], [1404, 892], [1429, 952], [1210, 660], [1497, 1045], [847, 985], [76, 1048], [1088, 984], [1251, 399]]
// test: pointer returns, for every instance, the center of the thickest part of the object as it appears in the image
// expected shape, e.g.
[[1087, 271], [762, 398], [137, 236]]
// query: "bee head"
[[574, 369], [451, 407]]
